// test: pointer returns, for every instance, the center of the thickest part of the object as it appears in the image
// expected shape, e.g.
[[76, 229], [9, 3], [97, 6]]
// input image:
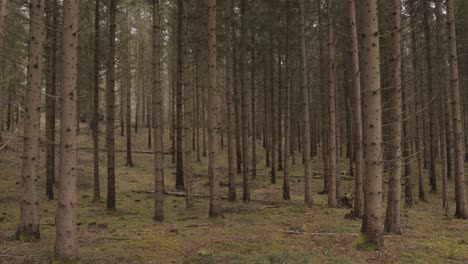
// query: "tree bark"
[[357, 116], [372, 228], [332, 184], [305, 110], [110, 104], [28, 228], [158, 117], [245, 108], [51, 87], [180, 184], [66, 245], [392, 216], [287, 110], [214, 124]]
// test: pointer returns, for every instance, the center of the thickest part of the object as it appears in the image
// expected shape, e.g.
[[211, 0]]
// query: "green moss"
[[362, 243]]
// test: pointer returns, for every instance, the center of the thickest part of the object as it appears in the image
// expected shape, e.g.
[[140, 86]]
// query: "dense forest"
[[233, 131]]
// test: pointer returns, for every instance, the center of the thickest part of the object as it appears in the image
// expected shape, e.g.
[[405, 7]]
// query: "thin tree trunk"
[[236, 116], [232, 195], [66, 242], [357, 116], [158, 118], [214, 124], [287, 110], [28, 228], [392, 216], [51, 87], [128, 95], [2, 63], [187, 110], [180, 184], [254, 112], [245, 107], [110, 102], [305, 109], [332, 191]]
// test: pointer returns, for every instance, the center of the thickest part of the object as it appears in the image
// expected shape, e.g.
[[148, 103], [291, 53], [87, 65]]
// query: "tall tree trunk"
[[236, 114], [66, 242], [187, 110], [214, 124], [232, 195], [431, 98], [2, 63], [372, 121], [253, 130], [95, 126], [110, 104], [460, 194], [279, 106], [266, 132], [197, 98], [28, 228], [418, 109], [128, 94], [392, 216], [287, 109], [332, 192], [180, 185], [357, 116], [158, 117], [305, 109], [51, 87], [245, 107]]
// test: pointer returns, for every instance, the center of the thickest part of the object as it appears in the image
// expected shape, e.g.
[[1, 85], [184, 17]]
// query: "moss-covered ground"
[[268, 230]]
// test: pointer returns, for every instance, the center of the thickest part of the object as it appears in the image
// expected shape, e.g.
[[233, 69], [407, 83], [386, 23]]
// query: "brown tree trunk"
[[305, 110], [66, 243], [287, 110], [232, 195], [253, 130], [51, 87], [187, 110], [180, 184], [95, 126], [128, 95], [214, 124], [28, 228], [357, 116], [158, 117], [110, 104], [245, 107], [432, 115], [392, 216], [2, 63], [460, 194], [332, 191], [372, 229]]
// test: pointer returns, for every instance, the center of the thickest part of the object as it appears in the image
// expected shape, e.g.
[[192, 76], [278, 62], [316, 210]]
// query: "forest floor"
[[268, 230]]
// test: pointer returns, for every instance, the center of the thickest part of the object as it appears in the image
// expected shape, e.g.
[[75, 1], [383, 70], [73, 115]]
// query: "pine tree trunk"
[[392, 216], [214, 124], [287, 110], [51, 87], [95, 124], [372, 228], [187, 110], [432, 115], [110, 104], [273, 144], [180, 184], [28, 228], [254, 112], [305, 110], [357, 116], [158, 117], [128, 95], [332, 191], [66, 244], [2, 63], [460, 194], [232, 195], [245, 108]]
